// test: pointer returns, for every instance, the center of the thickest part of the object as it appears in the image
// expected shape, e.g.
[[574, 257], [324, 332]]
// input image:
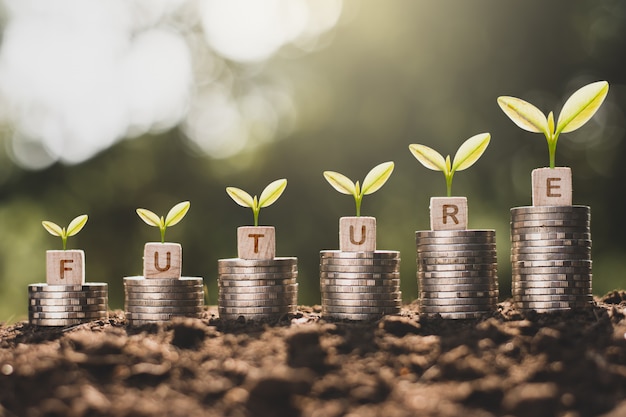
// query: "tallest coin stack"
[[551, 257]]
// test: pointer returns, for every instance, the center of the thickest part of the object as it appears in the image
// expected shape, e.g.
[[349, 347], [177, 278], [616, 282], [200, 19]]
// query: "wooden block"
[[357, 234], [256, 242], [65, 267], [552, 186], [162, 260], [448, 213]]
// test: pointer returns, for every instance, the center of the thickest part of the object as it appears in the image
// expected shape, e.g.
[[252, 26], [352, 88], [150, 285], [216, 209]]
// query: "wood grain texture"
[[552, 186], [448, 213], [162, 260], [357, 234], [65, 267], [256, 242]]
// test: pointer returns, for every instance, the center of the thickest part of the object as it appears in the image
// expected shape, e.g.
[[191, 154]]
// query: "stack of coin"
[[360, 285], [67, 305], [551, 257], [457, 273], [155, 300], [257, 288]]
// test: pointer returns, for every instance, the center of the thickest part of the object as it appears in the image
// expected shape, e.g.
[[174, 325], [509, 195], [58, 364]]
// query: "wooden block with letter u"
[[162, 260], [357, 234]]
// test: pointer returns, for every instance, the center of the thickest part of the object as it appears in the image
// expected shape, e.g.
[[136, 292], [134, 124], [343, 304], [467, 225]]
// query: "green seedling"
[[577, 110], [73, 228], [469, 152], [372, 182], [270, 194], [174, 216]]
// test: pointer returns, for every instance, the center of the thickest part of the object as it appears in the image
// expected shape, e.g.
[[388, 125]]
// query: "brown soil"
[[562, 364]]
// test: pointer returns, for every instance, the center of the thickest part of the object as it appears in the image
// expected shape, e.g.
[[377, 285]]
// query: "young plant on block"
[[450, 213], [65, 267], [553, 186], [257, 242], [358, 234], [161, 259]]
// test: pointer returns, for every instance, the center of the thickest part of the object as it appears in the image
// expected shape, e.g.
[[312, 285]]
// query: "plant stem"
[[64, 239], [358, 205], [552, 149], [449, 185], [256, 216], [162, 234]]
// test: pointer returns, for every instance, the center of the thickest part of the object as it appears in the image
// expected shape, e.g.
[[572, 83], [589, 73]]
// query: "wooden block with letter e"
[[256, 242], [162, 260], [65, 267], [552, 186], [448, 213], [357, 234]]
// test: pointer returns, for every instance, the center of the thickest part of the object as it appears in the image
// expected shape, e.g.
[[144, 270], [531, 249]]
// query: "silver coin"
[[455, 281], [86, 287], [555, 291], [268, 316], [275, 289], [196, 295], [447, 302], [454, 240], [455, 267], [158, 316], [550, 209], [354, 317], [67, 301], [164, 282], [550, 270], [379, 254], [257, 296], [393, 295], [360, 262], [238, 262], [460, 254], [283, 309], [354, 289], [550, 304], [551, 277], [256, 303], [225, 283], [554, 256], [458, 274], [458, 316], [552, 297], [145, 288], [472, 287], [68, 309], [360, 310], [360, 269], [358, 275], [570, 250], [549, 236], [361, 303], [550, 216], [522, 285], [57, 322], [163, 303], [459, 294], [551, 242], [142, 322], [456, 261], [161, 310], [553, 263], [231, 270], [67, 315], [459, 308], [361, 282], [519, 231], [456, 247], [487, 233], [68, 294], [260, 277]]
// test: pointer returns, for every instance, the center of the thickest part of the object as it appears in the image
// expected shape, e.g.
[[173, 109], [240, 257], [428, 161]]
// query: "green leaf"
[[340, 182], [149, 217], [470, 151], [52, 228], [581, 106], [551, 123], [176, 213], [77, 225], [377, 177], [524, 114], [272, 192], [448, 169], [428, 157], [240, 196]]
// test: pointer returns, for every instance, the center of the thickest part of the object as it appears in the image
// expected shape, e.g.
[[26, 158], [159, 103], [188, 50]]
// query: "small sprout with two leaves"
[[73, 228], [469, 152], [174, 216], [577, 110], [372, 182], [270, 194]]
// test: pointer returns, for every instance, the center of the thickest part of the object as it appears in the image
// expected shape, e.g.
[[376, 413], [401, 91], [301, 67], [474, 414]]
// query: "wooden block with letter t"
[[65, 267], [448, 213], [357, 234], [162, 260], [256, 242], [552, 186]]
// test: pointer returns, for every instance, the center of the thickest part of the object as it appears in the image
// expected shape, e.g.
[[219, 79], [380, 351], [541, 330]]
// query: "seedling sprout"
[[174, 216], [72, 229], [270, 194]]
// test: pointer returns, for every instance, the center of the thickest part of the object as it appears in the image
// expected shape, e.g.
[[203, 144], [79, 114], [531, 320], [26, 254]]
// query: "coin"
[[551, 277], [68, 294], [57, 322], [67, 315], [473, 287], [555, 256], [257, 296], [455, 240], [552, 297], [360, 303], [359, 262], [459, 308], [87, 287], [458, 274], [486, 233], [227, 283], [457, 316], [379, 254], [570, 250], [360, 310], [162, 303], [67, 301], [158, 316], [230, 270], [277, 261], [275, 289], [460, 254], [456, 267], [454, 281], [553, 263], [550, 209], [361, 282], [393, 295], [456, 261], [257, 303], [255, 310], [459, 294], [359, 275], [548, 236], [359, 269], [552, 270], [170, 289], [257, 276], [551, 242], [555, 291], [352, 317], [354, 289], [163, 310], [551, 284], [456, 247], [446, 302], [165, 282], [552, 216], [68, 309], [169, 296], [550, 304]]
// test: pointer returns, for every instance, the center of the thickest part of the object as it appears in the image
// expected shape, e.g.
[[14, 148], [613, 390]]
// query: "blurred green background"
[[110, 106]]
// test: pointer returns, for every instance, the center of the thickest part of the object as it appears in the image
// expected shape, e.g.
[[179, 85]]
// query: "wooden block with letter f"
[[65, 267], [162, 260]]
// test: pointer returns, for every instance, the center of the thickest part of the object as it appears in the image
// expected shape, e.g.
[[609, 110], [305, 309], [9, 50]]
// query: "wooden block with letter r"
[[162, 260], [65, 267], [448, 213], [552, 186]]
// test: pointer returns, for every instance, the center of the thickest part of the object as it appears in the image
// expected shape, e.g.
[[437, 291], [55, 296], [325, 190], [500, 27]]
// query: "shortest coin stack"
[[457, 273], [67, 305], [257, 288], [360, 285], [155, 300]]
